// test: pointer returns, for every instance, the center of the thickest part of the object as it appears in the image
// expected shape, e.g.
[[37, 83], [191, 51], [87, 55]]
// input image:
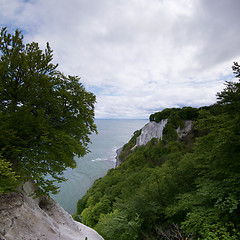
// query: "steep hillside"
[[181, 184], [22, 217]]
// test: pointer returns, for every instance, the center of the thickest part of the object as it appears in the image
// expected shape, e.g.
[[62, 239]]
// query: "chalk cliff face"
[[151, 130], [187, 128], [22, 217], [155, 130]]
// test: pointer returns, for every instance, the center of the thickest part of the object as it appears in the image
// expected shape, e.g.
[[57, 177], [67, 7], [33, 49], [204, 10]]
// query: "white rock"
[[22, 217], [187, 128], [155, 130], [151, 130]]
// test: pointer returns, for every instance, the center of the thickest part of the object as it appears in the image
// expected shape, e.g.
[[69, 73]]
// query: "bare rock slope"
[[22, 217], [151, 130], [155, 130]]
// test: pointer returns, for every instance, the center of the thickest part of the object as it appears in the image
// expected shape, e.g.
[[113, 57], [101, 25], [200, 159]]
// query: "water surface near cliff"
[[112, 134]]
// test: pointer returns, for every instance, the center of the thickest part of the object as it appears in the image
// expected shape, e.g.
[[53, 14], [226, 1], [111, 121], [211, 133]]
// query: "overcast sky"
[[136, 56]]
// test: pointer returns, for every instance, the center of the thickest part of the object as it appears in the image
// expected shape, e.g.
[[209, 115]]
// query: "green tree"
[[230, 96], [8, 178], [118, 225], [45, 117], [172, 190], [212, 209]]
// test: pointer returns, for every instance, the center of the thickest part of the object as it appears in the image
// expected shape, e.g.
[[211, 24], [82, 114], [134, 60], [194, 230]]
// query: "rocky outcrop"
[[188, 125], [151, 130], [155, 130], [117, 160], [23, 217]]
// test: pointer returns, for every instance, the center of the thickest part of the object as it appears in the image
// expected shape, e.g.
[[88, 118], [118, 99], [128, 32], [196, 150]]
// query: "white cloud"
[[137, 56]]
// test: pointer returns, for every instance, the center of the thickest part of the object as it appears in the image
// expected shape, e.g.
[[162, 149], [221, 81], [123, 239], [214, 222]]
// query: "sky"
[[136, 56]]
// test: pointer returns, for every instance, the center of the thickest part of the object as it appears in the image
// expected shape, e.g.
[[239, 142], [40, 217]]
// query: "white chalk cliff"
[[22, 217], [155, 130], [151, 130]]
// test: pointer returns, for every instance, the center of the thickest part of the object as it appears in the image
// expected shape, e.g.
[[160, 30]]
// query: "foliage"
[[230, 97], [168, 190], [8, 178], [128, 146], [45, 116], [186, 113]]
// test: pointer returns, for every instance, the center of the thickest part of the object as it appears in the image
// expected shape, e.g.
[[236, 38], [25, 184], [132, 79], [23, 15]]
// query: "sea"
[[112, 135]]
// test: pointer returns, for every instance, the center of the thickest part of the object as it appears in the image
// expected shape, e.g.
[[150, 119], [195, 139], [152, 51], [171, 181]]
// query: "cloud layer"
[[137, 56]]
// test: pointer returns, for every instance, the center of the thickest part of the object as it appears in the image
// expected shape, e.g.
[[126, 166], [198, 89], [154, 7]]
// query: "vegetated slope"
[[175, 188]]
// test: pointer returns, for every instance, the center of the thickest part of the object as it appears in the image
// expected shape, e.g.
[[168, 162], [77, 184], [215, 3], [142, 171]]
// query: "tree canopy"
[[45, 117]]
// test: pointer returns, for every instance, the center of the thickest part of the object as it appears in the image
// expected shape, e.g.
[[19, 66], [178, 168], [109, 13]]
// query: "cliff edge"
[[151, 130], [155, 130], [23, 217]]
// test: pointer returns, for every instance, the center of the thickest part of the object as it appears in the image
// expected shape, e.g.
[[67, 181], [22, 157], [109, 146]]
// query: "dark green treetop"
[[230, 96], [45, 117]]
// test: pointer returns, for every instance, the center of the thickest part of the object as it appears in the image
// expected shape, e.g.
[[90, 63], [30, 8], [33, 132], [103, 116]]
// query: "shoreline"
[[117, 163]]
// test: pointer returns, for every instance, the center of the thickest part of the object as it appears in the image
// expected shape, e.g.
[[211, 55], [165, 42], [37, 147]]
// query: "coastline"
[[117, 163]]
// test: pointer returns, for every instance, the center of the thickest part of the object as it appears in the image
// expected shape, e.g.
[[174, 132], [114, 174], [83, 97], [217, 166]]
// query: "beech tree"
[[45, 117]]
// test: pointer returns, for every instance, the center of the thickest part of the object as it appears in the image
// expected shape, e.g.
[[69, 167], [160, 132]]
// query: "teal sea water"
[[112, 134]]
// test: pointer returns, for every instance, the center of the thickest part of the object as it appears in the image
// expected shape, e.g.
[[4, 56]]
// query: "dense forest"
[[175, 188]]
